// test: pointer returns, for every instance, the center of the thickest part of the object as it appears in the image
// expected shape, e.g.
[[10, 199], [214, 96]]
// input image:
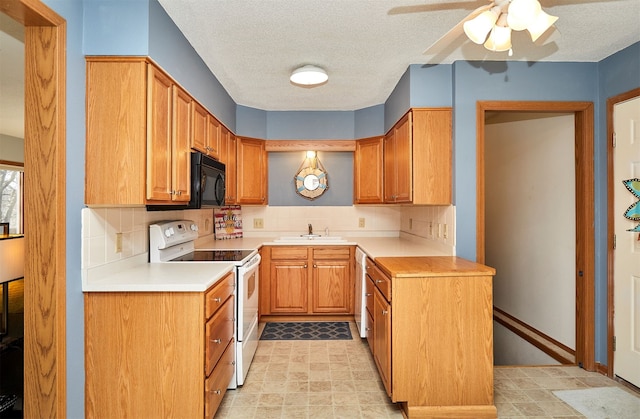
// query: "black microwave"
[[207, 185], [207, 182]]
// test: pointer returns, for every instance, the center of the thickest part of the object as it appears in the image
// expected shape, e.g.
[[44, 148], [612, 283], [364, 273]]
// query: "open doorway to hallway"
[[584, 263]]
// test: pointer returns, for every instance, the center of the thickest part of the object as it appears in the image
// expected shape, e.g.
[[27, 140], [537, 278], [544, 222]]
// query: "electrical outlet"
[[410, 223], [430, 228], [258, 223], [439, 230], [118, 242], [361, 222], [445, 231]]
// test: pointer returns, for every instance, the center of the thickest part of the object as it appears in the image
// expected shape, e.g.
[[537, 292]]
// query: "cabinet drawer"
[[219, 332], [289, 253], [382, 281], [331, 253], [370, 289], [216, 296], [216, 385]]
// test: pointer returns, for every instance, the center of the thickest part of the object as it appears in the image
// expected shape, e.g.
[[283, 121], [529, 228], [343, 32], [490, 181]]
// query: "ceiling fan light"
[[309, 75], [522, 13], [539, 26], [499, 39], [478, 27]]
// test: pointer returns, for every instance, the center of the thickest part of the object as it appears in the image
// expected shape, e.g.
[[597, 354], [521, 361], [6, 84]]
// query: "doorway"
[[585, 241], [623, 162], [44, 207]]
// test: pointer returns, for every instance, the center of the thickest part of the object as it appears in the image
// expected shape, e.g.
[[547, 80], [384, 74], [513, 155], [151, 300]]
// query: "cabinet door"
[[231, 170], [331, 287], [199, 137], [213, 137], [389, 167], [158, 136], [382, 338], [181, 146], [403, 160], [289, 287], [368, 168], [251, 171]]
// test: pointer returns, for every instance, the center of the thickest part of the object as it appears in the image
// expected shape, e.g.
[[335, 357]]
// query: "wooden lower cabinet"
[[433, 335], [306, 280], [158, 354]]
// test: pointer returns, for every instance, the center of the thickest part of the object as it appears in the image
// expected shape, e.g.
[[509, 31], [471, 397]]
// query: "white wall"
[[530, 221]]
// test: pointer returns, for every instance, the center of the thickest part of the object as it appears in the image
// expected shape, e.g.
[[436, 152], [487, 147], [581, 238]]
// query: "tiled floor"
[[338, 379]]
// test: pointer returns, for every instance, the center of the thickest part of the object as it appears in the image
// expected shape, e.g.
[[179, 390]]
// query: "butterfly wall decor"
[[633, 212]]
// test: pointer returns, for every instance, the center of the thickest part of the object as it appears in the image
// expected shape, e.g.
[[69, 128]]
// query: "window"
[[11, 193]]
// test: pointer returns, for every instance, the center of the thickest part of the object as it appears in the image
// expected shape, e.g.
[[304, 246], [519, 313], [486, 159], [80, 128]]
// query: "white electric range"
[[174, 242]]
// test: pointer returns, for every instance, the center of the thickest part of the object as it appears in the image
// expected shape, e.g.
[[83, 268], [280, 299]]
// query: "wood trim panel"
[[611, 102], [542, 341], [314, 145], [45, 207], [585, 211]]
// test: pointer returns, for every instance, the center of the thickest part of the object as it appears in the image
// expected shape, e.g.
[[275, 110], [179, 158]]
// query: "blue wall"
[[125, 27]]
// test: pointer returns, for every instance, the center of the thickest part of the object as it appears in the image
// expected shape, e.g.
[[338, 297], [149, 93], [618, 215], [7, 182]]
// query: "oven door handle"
[[251, 265]]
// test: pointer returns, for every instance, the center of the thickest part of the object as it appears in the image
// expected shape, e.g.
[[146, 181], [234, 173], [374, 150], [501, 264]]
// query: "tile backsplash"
[[100, 226]]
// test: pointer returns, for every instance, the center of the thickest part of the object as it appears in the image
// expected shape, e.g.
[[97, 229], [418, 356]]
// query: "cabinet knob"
[[368, 329], [315, 266], [305, 265], [384, 312], [368, 294], [379, 281], [217, 392], [217, 300], [218, 341]]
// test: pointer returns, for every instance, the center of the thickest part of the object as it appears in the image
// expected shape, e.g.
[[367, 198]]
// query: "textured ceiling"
[[366, 45], [252, 46]]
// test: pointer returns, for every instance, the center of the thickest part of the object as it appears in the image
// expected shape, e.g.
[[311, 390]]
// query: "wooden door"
[[382, 338], [368, 171], [331, 290], [251, 171], [181, 146], [289, 285], [627, 244], [389, 167], [403, 160], [199, 137], [158, 135], [213, 137]]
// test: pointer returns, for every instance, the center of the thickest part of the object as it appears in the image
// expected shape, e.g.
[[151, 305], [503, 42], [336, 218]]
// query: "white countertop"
[[136, 275], [374, 247]]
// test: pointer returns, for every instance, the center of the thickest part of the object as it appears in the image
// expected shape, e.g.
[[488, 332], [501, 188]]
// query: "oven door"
[[248, 284]]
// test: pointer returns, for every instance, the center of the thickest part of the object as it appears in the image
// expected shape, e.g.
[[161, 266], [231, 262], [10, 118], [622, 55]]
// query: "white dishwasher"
[[360, 312]]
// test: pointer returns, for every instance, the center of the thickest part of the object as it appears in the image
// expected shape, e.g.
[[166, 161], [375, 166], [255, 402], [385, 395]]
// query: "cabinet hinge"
[[614, 344], [614, 242], [613, 140]]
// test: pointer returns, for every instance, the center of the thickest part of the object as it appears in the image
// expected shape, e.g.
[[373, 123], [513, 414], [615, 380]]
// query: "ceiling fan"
[[493, 23]]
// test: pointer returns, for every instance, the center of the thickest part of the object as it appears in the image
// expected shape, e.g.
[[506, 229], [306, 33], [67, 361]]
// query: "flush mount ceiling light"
[[309, 76], [493, 26]]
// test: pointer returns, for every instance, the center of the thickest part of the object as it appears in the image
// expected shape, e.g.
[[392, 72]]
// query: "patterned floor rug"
[[306, 331], [602, 403]]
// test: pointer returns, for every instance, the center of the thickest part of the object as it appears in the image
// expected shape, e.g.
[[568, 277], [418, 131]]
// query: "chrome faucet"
[[310, 229]]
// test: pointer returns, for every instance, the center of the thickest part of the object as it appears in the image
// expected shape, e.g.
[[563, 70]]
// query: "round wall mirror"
[[311, 182]]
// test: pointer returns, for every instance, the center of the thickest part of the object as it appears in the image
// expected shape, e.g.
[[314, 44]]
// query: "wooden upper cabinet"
[[213, 135], [417, 158], [251, 171], [116, 105], [181, 145], [139, 134], [368, 171], [158, 136], [228, 157], [199, 138]]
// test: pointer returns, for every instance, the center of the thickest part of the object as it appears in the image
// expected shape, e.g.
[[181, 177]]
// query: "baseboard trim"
[[546, 344]]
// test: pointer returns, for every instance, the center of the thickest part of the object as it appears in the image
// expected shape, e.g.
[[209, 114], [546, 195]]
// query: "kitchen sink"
[[305, 238]]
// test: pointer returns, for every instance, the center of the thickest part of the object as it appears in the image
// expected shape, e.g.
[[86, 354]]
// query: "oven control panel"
[[165, 234]]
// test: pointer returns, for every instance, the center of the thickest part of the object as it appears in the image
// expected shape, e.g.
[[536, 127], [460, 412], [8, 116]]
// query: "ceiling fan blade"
[[456, 31]]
